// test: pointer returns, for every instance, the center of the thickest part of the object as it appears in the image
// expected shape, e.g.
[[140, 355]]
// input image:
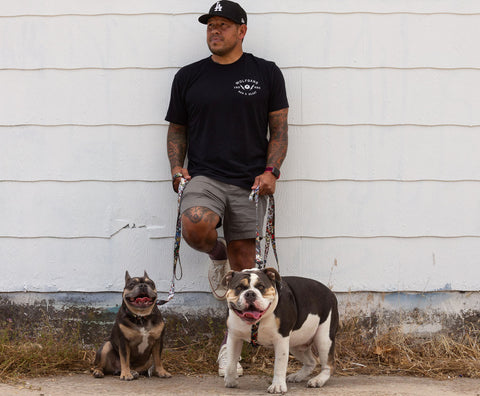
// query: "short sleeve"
[[278, 93], [177, 112]]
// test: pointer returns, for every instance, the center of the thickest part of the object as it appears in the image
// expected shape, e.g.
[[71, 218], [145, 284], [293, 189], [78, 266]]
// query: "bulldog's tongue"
[[142, 300], [252, 315]]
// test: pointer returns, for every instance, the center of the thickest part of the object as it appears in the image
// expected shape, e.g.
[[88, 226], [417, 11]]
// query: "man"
[[221, 110]]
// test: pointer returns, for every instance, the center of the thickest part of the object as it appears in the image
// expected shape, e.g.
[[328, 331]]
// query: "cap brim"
[[204, 18]]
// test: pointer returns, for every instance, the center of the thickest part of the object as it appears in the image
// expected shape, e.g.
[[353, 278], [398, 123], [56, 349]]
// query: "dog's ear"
[[145, 275], [227, 278], [127, 276], [272, 274]]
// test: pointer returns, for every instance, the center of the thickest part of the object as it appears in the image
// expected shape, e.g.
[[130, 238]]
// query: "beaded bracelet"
[[178, 174]]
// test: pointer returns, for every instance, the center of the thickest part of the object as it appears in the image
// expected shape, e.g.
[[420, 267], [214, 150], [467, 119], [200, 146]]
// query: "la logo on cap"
[[218, 7]]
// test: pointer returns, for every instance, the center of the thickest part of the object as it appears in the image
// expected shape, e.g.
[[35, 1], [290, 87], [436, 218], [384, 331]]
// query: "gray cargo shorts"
[[231, 203]]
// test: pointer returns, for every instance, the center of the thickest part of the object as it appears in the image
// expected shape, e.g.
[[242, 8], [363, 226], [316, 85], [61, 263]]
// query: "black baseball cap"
[[226, 9]]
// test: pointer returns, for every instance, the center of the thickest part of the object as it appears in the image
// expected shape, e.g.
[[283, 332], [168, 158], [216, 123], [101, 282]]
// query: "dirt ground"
[[84, 384]]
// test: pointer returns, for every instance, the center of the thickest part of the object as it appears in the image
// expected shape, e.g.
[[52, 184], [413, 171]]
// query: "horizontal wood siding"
[[379, 189], [315, 40]]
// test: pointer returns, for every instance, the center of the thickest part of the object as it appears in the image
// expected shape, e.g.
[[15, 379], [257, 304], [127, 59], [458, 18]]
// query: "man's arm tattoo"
[[277, 147], [176, 145]]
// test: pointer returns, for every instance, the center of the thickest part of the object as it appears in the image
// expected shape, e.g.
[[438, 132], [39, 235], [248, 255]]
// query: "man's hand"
[[176, 181], [267, 183]]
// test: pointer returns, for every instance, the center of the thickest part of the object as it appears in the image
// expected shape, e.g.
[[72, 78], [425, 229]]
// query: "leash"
[[254, 336], [176, 247], [269, 238], [269, 232]]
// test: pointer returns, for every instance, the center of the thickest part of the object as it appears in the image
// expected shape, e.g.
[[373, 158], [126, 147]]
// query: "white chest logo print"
[[247, 87]]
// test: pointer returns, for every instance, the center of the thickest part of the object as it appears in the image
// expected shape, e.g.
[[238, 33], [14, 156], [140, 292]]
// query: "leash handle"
[[176, 246]]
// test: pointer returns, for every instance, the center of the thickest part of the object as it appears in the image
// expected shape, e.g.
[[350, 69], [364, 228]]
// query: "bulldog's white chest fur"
[[144, 344], [268, 330]]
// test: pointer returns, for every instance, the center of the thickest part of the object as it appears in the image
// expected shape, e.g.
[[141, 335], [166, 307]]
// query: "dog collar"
[[136, 318], [254, 335]]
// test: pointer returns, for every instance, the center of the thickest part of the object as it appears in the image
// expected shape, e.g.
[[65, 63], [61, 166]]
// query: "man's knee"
[[199, 228]]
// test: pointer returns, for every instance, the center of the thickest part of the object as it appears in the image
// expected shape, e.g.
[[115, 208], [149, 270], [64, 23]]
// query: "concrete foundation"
[[419, 314]]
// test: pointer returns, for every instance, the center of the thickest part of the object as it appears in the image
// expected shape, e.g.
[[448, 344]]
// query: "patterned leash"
[[176, 248], [270, 231], [269, 238]]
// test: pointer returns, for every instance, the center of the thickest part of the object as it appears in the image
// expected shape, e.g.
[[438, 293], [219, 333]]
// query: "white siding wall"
[[380, 187]]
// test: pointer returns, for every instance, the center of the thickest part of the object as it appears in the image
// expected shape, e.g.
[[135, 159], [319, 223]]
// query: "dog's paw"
[[129, 376], [295, 377], [98, 373], [277, 387], [230, 382], [319, 380], [162, 373], [316, 382]]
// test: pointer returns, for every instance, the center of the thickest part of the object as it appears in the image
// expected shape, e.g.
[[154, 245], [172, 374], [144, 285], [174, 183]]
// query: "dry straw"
[[359, 351]]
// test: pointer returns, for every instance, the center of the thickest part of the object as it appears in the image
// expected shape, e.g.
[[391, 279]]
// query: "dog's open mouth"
[[251, 314], [141, 301]]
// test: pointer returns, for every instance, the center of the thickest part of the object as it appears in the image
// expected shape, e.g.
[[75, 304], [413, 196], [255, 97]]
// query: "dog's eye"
[[261, 288], [239, 288]]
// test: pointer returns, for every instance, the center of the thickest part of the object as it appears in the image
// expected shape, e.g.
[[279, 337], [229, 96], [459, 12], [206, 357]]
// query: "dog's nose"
[[250, 296]]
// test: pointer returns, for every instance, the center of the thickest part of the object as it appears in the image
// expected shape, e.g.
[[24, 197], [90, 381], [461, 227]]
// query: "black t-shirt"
[[225, 109]]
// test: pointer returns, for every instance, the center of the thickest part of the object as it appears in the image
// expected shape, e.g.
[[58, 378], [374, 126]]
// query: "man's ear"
[[242, 31]]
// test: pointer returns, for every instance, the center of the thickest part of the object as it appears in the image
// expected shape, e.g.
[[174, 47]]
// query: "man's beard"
[[220, 51]]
